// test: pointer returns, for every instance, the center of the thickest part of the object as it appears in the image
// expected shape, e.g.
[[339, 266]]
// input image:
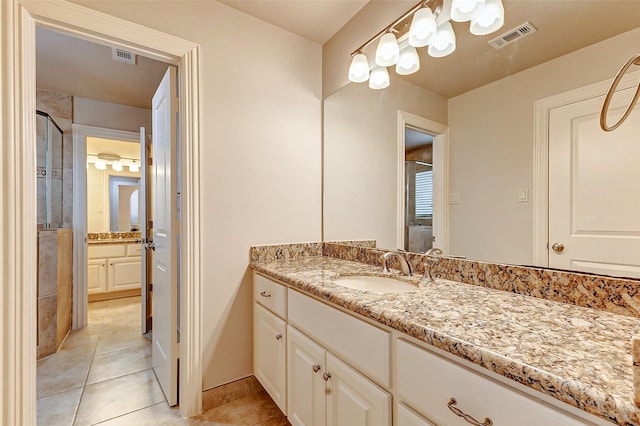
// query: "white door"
[[352, 399], [270, 361], [306, 388], [146, 230], [594, 189], [165, 237]]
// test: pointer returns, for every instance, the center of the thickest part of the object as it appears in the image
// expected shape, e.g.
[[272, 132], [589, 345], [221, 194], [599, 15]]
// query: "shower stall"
[[418, 216], [54, 290]]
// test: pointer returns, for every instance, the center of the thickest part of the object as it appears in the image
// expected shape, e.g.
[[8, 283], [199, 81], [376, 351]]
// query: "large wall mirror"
[[113, 180], [511, 146]]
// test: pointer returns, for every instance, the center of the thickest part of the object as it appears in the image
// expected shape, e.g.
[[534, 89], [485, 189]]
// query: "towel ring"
[[605, 107]]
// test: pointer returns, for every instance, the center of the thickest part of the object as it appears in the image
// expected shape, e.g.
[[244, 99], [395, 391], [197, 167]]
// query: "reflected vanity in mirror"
[[502, 189]]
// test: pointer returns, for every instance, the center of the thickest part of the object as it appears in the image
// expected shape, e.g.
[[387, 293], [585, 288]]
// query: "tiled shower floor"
[[102, 375]]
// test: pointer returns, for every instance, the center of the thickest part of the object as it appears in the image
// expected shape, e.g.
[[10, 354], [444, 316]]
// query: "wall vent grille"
[[124, 56], [513, 35]]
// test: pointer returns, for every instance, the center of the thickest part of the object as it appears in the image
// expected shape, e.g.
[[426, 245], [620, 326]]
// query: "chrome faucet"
[[405, 267], [432, 256]]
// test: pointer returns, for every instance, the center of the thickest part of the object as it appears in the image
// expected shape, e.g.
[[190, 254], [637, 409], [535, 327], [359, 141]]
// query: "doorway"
[[422, 184], [18, 23]]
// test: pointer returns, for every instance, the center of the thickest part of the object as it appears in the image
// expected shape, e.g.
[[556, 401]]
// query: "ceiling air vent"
[[123, 56], [513, 35]]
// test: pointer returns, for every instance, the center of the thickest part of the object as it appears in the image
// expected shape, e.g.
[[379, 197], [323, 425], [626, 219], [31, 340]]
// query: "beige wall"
[[492, 149], [361, 157], [261, 156], [91, 112]]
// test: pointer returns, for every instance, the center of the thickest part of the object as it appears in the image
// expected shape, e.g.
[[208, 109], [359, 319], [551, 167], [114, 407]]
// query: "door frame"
[[18, 20], [440, 177], [80, 219], [542, 109]]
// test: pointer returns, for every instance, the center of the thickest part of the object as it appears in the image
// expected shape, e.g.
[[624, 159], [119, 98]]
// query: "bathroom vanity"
[[114, 267], [443, 354]]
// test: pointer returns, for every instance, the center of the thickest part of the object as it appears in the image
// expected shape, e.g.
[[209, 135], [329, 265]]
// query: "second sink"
[[375, 284]]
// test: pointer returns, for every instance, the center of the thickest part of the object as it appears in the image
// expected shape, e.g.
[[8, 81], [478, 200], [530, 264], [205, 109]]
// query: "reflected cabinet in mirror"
[[520, 171]]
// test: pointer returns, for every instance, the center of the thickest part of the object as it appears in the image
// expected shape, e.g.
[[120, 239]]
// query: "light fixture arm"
[[434, 5]]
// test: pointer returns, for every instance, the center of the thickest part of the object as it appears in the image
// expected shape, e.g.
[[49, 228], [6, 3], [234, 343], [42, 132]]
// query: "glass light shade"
[[133, 167], [359, 69], [117, 166], [423, 26], [101, 165], [409, 61], [388, 52], [379, 78], [443, 42], [488, 19], [465, 10]]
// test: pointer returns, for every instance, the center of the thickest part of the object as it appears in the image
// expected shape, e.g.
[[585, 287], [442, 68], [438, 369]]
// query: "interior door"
[[146, 229], [594, 189], [165, 236]]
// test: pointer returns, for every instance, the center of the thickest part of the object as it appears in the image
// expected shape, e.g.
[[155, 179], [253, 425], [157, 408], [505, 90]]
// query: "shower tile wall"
[[60, 107]]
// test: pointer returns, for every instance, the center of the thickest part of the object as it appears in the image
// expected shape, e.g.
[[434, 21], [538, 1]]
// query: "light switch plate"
[[523, 195], [454, 198]]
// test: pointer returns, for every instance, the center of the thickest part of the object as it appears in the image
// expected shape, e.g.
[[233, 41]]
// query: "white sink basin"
[[375, 284]]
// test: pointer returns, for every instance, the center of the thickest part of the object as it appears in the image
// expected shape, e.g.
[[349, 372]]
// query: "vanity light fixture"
[[133, 167], [116, 166], [430, 26], [101, 164]]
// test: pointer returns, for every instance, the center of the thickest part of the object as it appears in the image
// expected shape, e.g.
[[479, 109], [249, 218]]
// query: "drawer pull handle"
[[316, 368], [278, 336], [458, 412], [326, 376], [265, 294]]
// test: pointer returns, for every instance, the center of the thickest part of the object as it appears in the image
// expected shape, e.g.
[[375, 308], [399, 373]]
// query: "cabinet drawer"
[[360, 344], [134, 250], [102, 251], [427, 382], [270, 294]]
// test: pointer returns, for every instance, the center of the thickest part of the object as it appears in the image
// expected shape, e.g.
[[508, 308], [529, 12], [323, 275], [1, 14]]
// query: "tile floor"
[[102, 375]]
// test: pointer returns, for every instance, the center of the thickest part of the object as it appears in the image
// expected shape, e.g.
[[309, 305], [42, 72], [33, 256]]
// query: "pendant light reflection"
[[379, 78], [443, 42], [464, 10], [117, 166], [359, 69], [388, 52], [488, 19], [423, 26], [101, 164], [133, 167], [409, 61]]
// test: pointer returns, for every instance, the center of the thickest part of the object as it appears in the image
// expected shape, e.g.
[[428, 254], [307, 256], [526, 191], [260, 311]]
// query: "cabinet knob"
[[558, 247], [316, 368], [458, 412], [326, 376], [265, 294], [278, 336]]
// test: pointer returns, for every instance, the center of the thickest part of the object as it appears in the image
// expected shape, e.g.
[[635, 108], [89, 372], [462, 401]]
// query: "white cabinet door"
[[124, 274], [270, 351], [306, 387], [97, 276], [352, 399]]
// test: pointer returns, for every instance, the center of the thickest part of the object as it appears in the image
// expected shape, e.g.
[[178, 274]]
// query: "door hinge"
[[150, 161], [150, 224]]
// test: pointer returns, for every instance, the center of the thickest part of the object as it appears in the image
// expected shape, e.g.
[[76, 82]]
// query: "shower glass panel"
[[49, 171], [418, 209]]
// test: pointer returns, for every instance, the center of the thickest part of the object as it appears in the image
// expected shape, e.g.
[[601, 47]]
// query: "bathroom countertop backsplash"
[[99, 238], [576, 354]]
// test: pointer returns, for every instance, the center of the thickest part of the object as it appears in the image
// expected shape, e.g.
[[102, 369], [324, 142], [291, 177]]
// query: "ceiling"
[[81, 68], [562, 26], [316, 20], [124, 149], [69, 65]]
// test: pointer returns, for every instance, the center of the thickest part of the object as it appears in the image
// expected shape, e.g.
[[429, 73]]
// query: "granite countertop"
[[112, 241], [577, 355]]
